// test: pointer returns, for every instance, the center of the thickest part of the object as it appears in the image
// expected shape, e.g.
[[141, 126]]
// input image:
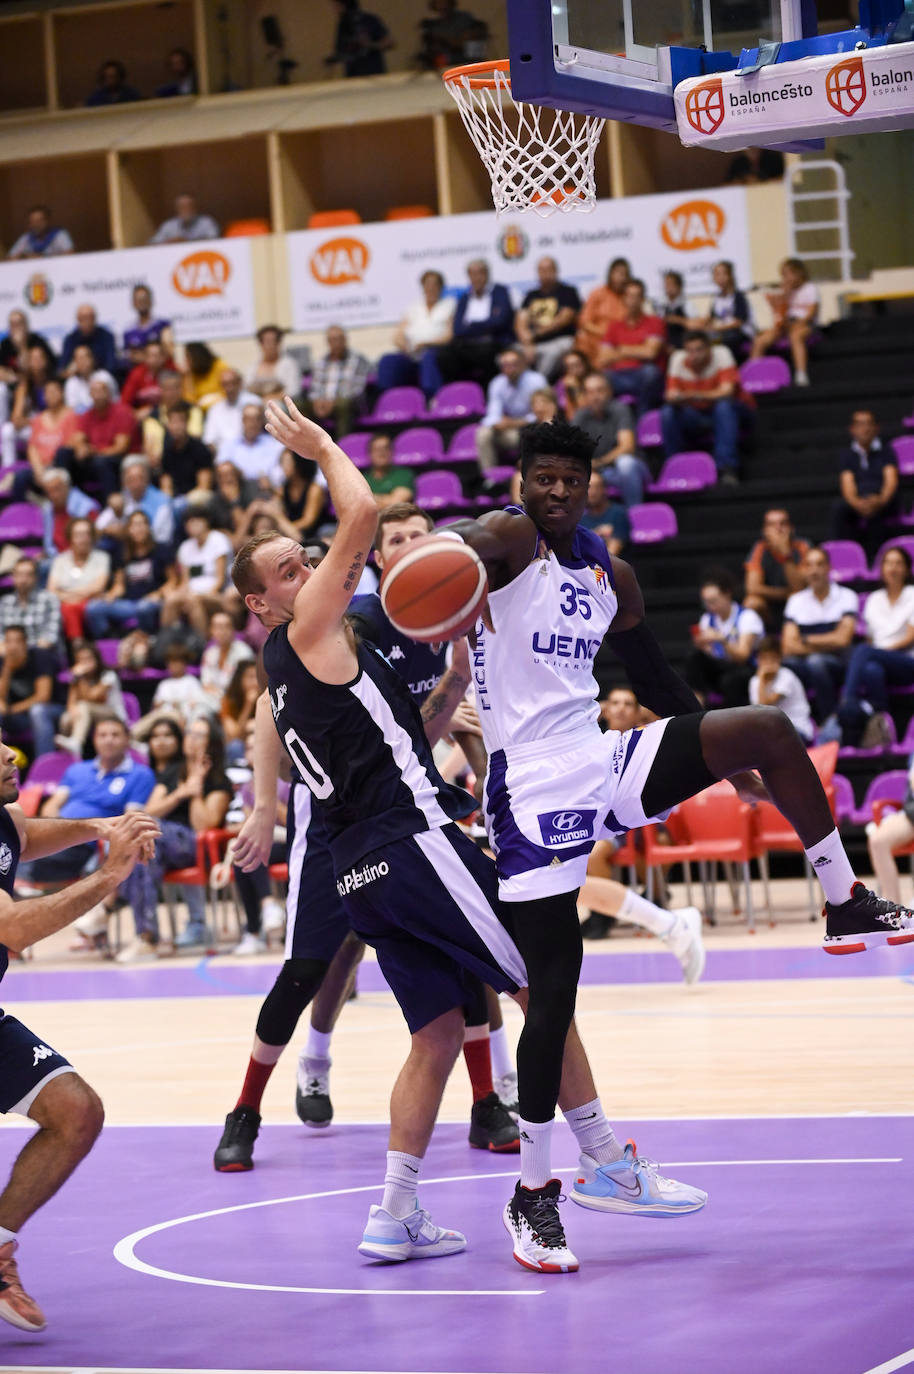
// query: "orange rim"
[[479, 74]]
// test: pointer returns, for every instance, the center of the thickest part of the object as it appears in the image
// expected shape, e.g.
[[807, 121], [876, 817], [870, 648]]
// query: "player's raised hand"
[[294, 430], [131, 840], [254, 841]]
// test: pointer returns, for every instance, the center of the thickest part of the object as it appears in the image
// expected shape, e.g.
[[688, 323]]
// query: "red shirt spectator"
[[142, 389], [103, 426], [716, 369], [628, 333]]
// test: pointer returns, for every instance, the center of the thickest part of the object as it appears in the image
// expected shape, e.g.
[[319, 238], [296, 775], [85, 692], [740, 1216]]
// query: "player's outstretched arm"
[[506, 543], [443, 700], [255, 838], [40, 835], [131, 840]]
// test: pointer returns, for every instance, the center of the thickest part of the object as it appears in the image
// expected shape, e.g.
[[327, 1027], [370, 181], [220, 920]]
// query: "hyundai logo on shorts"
[[566, 827], [567, 820]]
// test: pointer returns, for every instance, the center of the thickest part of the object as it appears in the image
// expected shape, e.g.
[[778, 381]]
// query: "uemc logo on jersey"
[[566, 827], [547, 644]]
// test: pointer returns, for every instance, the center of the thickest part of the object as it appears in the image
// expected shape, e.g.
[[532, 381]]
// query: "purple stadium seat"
[[759, 375], [903, 541], [891, 785], [107, 648], [21, 523], [685, 472], [398, 406], [904, 452], [905, 745], [649, 433], [356, 447], [462, 448], [49, 769], [131, 707], [652, 522], [457, 400], [848, 559], [908, 422], [501, 474], [844, 797], [440, 491], [417, 446]]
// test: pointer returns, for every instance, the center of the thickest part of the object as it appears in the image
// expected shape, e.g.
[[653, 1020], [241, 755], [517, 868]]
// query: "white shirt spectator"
[[200, 562], [286, 370], [256, 460], [223, 420], [76, 393], [215, 676], [180, 230], [741, 621], [814, 617], [801, 299], [791, 699], [182, 694], [887, 622], [507, 400], [424, 327]]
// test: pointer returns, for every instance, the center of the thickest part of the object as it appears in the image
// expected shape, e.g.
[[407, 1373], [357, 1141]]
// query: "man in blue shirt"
[[88, 331], [508, 406]]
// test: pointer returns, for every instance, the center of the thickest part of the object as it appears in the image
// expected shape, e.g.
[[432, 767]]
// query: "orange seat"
[[714, 826], [279, 872], [246, 228], [330, 219], [409, 212]]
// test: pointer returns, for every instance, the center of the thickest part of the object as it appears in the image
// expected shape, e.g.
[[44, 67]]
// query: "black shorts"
[[26, 1063], [429, 905], [316, 924]]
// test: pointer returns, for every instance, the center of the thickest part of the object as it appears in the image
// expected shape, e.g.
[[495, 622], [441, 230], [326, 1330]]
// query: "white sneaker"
[[801, 379], [415, 1237], [137, 951], [506, 1089], [633, 1185], [93, 922], [312, 1091], [250, 944], [532, 1221], [685, 941], [272, 916]]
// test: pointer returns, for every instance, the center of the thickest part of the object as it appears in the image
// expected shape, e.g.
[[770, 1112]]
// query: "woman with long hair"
[[136, 588], [94, 691], [202, 375], [238, 706], [729, 317], [795, 308], [601, 308], [886, 661]]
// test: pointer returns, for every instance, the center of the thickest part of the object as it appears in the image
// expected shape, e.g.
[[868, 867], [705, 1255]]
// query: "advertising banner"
[[205, 289], [368, 274]]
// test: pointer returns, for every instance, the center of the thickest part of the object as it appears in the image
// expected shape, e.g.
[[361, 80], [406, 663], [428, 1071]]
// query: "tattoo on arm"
[[440, 698], [354, 573]]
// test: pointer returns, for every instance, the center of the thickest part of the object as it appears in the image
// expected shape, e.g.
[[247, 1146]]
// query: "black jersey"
[[9, 862], [421, 666], [360, 748]]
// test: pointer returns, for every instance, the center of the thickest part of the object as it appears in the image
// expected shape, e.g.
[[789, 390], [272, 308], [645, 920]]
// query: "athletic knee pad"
[[296, 983]]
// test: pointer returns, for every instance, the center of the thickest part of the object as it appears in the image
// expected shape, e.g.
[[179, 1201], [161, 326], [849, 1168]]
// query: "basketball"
[[434, 588]]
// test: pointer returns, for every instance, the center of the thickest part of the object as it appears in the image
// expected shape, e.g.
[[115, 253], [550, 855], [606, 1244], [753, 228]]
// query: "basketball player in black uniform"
[[35, 1080]]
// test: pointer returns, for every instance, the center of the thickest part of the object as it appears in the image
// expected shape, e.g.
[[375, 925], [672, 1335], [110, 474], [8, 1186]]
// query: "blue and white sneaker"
[[415, 1237], [633, 1185]]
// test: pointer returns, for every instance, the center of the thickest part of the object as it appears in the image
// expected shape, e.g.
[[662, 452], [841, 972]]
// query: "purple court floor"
[[800, 1264]]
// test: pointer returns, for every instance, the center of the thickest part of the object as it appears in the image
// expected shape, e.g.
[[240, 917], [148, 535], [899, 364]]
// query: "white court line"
[[899, 1362]]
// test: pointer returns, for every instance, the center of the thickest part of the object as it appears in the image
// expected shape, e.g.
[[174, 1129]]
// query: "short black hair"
[[693, 335], [557, 439], [718, 577]]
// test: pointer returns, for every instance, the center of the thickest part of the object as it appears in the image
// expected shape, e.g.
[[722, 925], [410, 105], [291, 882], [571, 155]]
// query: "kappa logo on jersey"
[[396, 652], [361, 877], [6, 858], [41, 1052], [276, 705], [566, 827]]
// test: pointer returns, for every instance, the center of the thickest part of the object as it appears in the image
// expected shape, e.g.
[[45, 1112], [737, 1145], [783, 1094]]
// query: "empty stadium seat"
[[652, 522], [685, 472], [409, 212], [333, 219]]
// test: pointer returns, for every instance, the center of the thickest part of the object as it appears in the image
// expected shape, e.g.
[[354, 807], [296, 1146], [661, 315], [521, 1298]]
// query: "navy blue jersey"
[[421, 666], [9, 862], [360, 748]]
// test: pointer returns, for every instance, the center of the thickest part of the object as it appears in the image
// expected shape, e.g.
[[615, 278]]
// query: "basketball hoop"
[[539, 159]]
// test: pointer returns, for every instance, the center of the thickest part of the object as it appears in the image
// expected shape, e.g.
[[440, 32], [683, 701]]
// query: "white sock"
[[500, 1050], [593, 1132], [400, 1184], [6, 1235], [832, 868], [535, 1154], [318, 1046], [641, 912]]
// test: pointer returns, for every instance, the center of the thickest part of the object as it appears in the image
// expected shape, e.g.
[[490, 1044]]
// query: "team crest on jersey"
[[566, 827], [276, 704], [6, 858]]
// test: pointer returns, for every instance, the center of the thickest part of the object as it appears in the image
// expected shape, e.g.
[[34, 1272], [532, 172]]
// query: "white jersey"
[[534, 677]]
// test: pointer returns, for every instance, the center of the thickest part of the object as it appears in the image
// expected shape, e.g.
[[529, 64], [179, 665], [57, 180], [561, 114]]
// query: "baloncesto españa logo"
[[845, 86]]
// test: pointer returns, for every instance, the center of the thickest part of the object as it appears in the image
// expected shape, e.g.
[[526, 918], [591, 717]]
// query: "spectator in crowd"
[[137, 493], [223, 418], [94, 693], [361, 41], [544, 407], [256, 453], [41, 239], [775, 568], [88, 331], [887, 837], [155, 426], [187, 225], [868, 477], [546, 322], [143, 388], [795, 309], [178, 696], [603, 306], [200, 572], [569, 388], [232, 497], [675, 310], [633, 350], [336, 391], [508, 407], [886, 661], [182, 75], [28, 398], [702, 399], [239, 702], [15, 345], [76, 393], [729, 318], [609, 423], [147, 327], [752, 165], [773, 684], [426, 327], [136, 587], [111, 86], [202, 376], [51, 429], [186, 464], [62, 503], [275, 373], [483, 325], [166, 746], [77, 576], [222, 655], [28, 713], [606, 517], [304, 492], [725, 641], [36, 611], [389, 485], [819, 627], [450, 37], [263, 914]]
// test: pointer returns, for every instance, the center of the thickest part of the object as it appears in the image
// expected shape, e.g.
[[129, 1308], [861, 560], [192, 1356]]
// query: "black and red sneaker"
[[865, 921], [492, 1127], [235, 1152]]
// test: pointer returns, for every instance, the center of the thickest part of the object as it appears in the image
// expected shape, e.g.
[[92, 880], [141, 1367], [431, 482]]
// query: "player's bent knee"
[[70, 1107]]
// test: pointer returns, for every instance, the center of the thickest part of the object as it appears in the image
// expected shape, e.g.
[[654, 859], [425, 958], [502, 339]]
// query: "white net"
[[539, 159]]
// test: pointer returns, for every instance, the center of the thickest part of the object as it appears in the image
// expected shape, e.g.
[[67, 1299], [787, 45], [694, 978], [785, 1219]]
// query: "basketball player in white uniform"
[[555, 784]]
